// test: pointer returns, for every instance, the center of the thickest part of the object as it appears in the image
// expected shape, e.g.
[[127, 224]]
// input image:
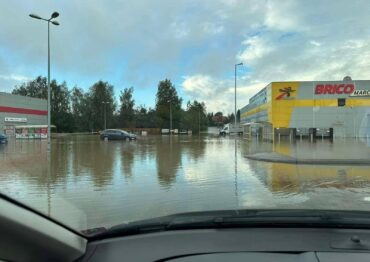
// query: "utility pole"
[[105, 114], [49, 95], [169, 101], [236, 65], [50, 20]]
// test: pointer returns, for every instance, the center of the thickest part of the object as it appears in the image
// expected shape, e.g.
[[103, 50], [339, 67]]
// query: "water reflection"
[[287, 178], [24, 160], [236, 166], [127, 159], [81, 157], [87, 156], [303, 178], [116, 181], [168, 158]]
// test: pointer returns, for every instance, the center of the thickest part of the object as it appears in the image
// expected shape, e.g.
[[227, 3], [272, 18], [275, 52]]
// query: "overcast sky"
[[193, 43]]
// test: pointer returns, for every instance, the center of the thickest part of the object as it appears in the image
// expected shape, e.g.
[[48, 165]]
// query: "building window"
[[341, 101]]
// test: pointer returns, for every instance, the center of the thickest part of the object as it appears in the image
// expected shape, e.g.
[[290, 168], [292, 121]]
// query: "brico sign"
[[338, 89], [324, 89]]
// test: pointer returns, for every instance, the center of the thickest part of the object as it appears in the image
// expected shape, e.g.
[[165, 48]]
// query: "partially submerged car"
[[116, 134]]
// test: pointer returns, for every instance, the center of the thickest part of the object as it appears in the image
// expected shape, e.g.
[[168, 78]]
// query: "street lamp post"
[[170, 102], [105, 114], [50, 20], [236, 65]]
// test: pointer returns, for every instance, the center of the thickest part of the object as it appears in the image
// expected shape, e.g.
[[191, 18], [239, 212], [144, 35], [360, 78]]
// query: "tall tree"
[[145, 117], [126, 112], [80, 108], [168, 101], [61, 115], [60, 100], [37, 88], [196, 116], [210, 119], [77, 97], [219, 119], [230, 118], [101, 99]]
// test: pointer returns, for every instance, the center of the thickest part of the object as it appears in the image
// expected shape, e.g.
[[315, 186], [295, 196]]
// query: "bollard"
[[279, 137], [105, 139]]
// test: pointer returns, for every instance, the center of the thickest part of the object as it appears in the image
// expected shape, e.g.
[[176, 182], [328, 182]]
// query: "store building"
[[309, 108], [24, 116]]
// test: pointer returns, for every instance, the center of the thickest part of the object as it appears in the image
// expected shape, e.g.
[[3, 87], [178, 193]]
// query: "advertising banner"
[[31, 132], [44, 132]]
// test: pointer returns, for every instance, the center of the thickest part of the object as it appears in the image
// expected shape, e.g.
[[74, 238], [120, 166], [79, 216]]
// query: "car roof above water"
[[114, 130]]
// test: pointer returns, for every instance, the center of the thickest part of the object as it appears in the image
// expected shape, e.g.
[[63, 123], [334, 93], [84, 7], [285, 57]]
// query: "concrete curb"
[[277, 158]]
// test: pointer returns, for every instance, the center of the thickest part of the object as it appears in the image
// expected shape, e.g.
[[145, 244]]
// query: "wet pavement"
[[88, 183], [322, 152]]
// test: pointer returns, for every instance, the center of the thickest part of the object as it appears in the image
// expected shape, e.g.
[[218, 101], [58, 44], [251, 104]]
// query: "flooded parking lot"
[[86, 182]]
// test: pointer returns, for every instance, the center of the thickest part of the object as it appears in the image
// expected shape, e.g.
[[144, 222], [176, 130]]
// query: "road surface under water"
[[87, 183]]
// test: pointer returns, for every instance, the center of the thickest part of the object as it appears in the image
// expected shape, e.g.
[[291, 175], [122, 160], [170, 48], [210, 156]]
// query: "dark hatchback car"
[[3, 139], [116, 134]]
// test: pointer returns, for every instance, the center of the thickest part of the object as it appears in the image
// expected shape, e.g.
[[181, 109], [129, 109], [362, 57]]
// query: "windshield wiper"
[[242, 219]]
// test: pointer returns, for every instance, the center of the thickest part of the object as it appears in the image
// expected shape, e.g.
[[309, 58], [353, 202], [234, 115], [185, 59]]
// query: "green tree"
[[61, 115], [37, 88], [77, 97], [101, 92], [219, 119], [80, 107], [196, 116], [145, 117], [126, 112], [210, 119], [238, 116], [167, 99], [230, 118]]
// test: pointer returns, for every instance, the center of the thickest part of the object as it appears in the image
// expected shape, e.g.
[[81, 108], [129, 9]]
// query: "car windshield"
[[224, 105]]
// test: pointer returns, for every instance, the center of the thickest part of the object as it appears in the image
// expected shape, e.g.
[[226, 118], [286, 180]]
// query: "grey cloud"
[[145, 41], [284, 50], [96, 35]]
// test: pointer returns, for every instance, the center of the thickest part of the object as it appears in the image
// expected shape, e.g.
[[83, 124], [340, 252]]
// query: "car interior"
[[30, 236]]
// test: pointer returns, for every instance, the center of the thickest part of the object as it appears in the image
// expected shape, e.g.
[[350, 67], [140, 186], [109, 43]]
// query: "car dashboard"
[[237, 244]]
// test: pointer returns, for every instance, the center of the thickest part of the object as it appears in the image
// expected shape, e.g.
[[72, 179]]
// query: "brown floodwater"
[[86, 182]]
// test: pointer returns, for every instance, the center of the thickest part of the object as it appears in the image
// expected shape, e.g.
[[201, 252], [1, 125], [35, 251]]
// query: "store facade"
[[309, 108], [23, 117]]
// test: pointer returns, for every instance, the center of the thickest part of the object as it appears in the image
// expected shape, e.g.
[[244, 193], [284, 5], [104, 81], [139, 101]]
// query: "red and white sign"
[[338, 89]]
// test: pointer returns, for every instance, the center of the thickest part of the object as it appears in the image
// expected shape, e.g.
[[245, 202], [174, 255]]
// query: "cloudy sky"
[[193, 43]]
